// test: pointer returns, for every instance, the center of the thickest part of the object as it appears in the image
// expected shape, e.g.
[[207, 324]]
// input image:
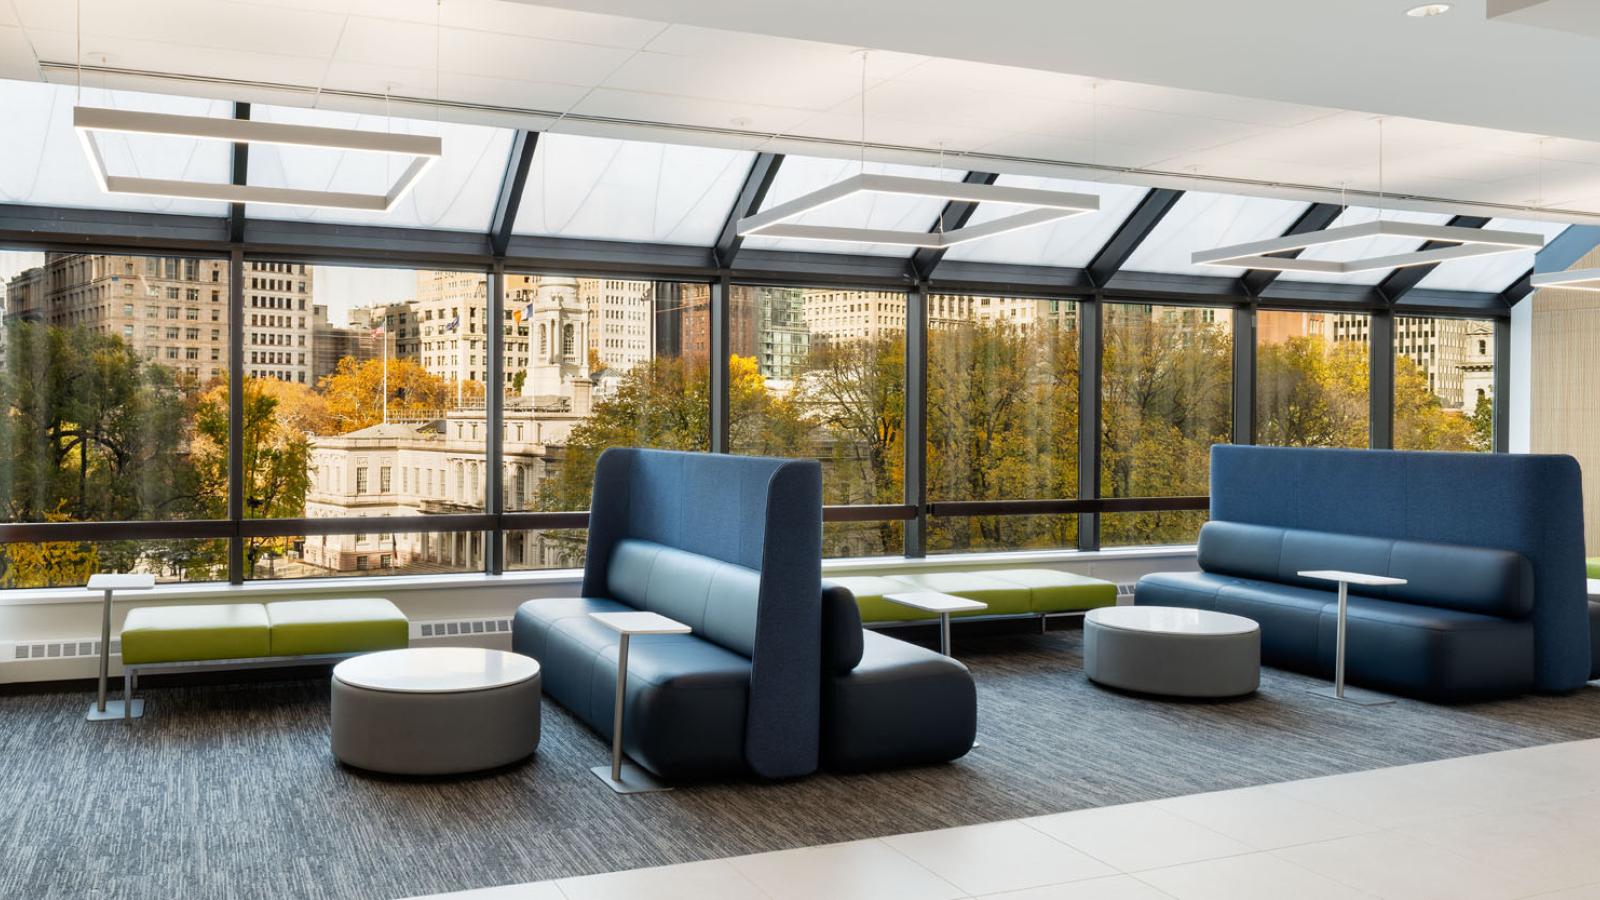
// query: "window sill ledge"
[[263, 591]]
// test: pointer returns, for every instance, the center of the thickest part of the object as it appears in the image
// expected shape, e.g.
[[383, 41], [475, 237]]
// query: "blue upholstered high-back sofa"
[[732, 547], [1491, 546]]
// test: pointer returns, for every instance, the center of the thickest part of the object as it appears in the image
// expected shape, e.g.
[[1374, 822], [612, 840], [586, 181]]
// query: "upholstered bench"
[[237, 635], [1008, 592]]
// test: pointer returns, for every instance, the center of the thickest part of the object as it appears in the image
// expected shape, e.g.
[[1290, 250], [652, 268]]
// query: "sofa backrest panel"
[[716, 599], [1470, 579], [763, 518], [1530, 504]]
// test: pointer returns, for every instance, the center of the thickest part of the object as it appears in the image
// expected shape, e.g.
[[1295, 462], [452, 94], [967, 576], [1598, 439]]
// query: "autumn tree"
[[279, 417], [354, 393], [1002, 425], [93, 433], [1165, 399]]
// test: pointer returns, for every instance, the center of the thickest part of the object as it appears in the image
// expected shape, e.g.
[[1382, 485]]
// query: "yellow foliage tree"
[[353, 394]]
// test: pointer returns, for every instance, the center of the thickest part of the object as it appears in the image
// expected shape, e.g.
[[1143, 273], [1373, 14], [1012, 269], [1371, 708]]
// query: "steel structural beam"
[[1090, 321], [236, 499], [1244, 375], [68, 229], [241, 175], [1517, 290], [915, 444], [763, 169], [1380, 380], [1400, 282], [1502, 386], [1316, 217], [955, 215], [1131, 233], [493, 420], [721, 352], [509, 199]]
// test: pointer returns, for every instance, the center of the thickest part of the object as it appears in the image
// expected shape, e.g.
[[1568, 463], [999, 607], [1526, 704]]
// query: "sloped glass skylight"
[[456, 193], [1202, 221], [1369, 247], [604, 189], [1068, 242], [42, 161], [800, 175], [1491, 273]]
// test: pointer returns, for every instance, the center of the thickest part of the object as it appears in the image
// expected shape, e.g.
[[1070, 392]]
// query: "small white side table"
[[1345, 579], [936, 602], [103, 710], [627, 778]]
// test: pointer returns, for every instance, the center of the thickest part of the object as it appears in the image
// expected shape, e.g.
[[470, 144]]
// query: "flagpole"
[[384, 336]]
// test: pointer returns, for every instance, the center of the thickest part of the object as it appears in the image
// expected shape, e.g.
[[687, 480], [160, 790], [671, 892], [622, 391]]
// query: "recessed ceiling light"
[[1428, 9]]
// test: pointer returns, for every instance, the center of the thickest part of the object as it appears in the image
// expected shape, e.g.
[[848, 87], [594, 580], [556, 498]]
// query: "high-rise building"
[[279, 321], [172, 311]]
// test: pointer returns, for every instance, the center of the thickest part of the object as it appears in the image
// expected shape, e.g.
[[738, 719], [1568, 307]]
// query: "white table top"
[[436, 670], [1350, 577], [1594, 587], [934, 601], [640, 623], [110, 581], [1171, 620]]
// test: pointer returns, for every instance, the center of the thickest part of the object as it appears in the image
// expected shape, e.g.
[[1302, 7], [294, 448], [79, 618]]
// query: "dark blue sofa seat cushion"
[[1440, 654], [1404, 648], [685, 711], [902, 705], [1196, 590], [886, 702], [1289, 618]]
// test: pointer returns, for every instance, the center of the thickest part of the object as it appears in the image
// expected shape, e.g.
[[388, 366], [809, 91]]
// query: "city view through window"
[[366, 395]]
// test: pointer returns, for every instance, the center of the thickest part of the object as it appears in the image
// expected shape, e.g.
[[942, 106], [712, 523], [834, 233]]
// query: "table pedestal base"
[[1353, 695], [114, 710], [635, 780]]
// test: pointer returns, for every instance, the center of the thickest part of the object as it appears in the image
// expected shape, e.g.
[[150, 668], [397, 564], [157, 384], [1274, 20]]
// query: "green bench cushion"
[[156, 634], [1594, 566], [869, 591], [307, 627], [1003, 597], [1057, 591]]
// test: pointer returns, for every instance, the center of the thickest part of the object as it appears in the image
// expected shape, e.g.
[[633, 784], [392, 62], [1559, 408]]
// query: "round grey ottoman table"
[[1172, 651], [435, 710]]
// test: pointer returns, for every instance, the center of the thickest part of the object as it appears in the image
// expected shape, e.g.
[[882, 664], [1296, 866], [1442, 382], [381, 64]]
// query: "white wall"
[[74, 614]]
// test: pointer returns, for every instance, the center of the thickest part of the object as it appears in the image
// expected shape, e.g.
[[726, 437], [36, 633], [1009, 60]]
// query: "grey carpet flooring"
[[229, 791]]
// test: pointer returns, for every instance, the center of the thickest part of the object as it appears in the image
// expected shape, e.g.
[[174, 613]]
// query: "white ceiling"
[[1323, 69]]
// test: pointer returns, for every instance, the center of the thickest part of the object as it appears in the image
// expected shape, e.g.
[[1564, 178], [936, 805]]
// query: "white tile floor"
[[1522, 823]]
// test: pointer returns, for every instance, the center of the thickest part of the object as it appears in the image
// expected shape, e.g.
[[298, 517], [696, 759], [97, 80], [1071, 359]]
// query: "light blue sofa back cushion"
[[717, 599], [1530, 504], [1449, 576]]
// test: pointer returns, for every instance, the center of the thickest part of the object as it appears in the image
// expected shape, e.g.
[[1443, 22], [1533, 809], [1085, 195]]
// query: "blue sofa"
[[777, 675], [1491, 546]]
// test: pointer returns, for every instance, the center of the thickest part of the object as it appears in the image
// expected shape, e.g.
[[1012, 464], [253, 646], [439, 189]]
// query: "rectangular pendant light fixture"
[[424, 150], [1465, 242], [1043, 206], [1572, 279]]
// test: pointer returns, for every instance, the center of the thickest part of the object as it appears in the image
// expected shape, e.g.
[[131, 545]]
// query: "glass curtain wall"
[[1002, 417], [1443, 384], [112, 364], [1312, 374], [364, 398], [1166, 396], [591, 363], [820, 373]]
